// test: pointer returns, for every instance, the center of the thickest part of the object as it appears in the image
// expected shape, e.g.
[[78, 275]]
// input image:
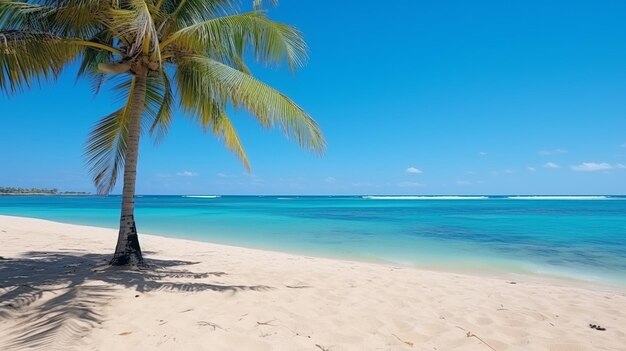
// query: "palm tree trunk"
[[127, 250]]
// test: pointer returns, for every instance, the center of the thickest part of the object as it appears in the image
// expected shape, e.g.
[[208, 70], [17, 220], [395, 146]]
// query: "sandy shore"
[[56, 292]]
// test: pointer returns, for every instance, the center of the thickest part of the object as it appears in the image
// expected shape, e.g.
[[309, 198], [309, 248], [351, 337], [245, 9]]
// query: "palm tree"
[[153, 52]]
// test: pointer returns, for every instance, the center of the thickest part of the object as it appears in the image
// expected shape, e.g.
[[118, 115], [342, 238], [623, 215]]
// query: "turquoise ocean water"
[[574, 237]]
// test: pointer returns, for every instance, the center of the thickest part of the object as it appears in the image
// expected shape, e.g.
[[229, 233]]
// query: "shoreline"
[[56, 287], [477, 270]]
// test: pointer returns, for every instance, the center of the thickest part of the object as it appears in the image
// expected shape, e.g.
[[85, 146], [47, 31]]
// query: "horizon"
[[425, 195], [480, 98]]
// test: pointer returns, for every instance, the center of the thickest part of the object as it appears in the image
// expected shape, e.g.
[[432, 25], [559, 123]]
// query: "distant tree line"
[[53, 191]]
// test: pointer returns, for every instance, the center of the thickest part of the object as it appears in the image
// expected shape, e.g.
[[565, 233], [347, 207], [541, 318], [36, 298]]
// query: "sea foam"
[[558, 197], [376, 197]]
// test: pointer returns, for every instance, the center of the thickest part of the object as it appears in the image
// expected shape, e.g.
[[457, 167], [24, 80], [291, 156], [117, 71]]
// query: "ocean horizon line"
[[208, 195]]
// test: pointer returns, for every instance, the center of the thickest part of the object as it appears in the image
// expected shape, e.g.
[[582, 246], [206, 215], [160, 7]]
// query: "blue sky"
[[414, 97]]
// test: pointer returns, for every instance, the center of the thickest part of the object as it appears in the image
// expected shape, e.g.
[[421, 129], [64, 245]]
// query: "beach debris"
[[322, 347], [187, 310], [403, 341], [512, 282], [472, 335], [597, 327], [242, 316], [267, 323], [136, 295], [125, 333], [209, 324], [298, 286]]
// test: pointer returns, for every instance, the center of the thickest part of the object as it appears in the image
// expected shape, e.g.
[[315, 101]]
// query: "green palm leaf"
[[272, 42], [159, 105], [77, 19], [27, 57], [106, 150], [186, 12], [203, 79]]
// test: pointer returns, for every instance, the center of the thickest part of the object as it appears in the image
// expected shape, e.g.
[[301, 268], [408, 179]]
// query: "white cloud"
[[551, 165], [532, 169], [410, 184], [552, 152], [592, 167], [463, 182], [329, 180], [222, 175], [620, 166], [624, 145], [482, 153], [187, 174], [509, 171], [413, 170]]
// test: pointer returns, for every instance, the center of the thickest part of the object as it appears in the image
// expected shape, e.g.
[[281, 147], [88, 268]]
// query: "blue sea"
[[570, 237]]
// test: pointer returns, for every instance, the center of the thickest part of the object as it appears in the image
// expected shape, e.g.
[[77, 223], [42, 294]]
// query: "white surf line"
[[202, 196], [598, 197], [375, 197]]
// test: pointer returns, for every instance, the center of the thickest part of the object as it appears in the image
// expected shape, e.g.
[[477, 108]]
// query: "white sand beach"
[[57, 292]]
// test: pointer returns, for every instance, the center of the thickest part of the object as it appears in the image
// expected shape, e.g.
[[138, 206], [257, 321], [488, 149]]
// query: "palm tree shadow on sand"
[[77, 287]]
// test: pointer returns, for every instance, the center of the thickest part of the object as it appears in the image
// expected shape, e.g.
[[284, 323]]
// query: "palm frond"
[[185, 12], [135, 26], [272, 42], [159, 105], [20, 15], [77, 19], [222, 128], [106, 150], [207, 79], [27, 57], [208, 108]]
